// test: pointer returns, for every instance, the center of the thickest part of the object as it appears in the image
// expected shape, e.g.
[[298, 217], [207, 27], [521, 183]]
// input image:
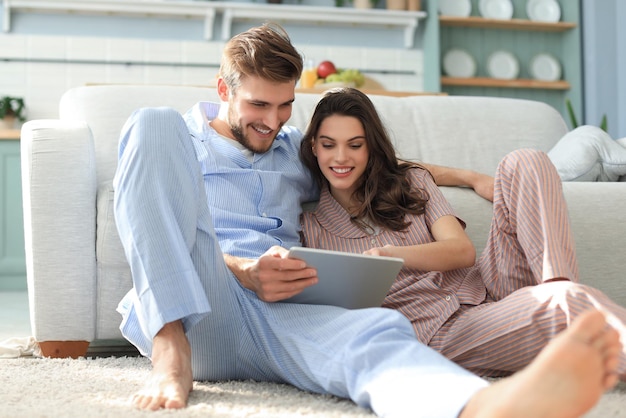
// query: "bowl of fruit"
[[326, 75]]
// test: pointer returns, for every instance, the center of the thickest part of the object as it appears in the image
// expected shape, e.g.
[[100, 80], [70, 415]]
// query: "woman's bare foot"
[[171, 379], [565, 380]]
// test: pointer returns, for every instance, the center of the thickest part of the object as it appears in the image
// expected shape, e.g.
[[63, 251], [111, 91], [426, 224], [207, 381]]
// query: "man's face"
[[257, 110]]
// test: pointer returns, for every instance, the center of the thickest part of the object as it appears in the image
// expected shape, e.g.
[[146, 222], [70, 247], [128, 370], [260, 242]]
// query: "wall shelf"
[[524, 38], [10, 134], [230, 11], [500, 83], [511, 24]]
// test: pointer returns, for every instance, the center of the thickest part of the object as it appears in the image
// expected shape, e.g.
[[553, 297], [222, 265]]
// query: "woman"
[[491, 315]]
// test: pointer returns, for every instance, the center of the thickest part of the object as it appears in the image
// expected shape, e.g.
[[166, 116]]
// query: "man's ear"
[[222, 89]]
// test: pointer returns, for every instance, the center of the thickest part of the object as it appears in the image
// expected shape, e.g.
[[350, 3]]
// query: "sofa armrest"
[[59, 199]]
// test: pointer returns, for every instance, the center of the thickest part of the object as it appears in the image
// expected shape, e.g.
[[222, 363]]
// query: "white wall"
[[44, 53], [40, 68]]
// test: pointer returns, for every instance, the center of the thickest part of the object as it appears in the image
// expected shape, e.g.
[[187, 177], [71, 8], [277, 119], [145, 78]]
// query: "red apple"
[[326, 68]]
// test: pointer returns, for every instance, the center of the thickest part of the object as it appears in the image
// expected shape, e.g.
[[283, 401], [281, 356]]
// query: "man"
[[206, 207]]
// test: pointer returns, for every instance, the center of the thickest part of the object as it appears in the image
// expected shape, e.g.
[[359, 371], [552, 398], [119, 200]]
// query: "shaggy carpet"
[[101, 387]]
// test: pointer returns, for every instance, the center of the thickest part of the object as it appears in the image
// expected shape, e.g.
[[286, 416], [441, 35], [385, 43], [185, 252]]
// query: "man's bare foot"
[[171, 378], [565, 380]]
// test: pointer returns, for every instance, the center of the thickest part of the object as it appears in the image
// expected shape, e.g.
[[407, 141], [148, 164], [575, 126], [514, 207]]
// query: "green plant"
[[572, 115], [12, 106]]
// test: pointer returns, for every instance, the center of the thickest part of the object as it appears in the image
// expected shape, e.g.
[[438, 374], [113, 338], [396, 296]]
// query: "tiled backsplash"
[[41, 68]]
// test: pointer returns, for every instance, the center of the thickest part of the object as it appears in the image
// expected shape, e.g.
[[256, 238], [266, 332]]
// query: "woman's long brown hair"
[[384, 189]]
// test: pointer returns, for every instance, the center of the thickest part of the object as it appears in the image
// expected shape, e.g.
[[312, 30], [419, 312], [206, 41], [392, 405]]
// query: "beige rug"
[[101, 387]]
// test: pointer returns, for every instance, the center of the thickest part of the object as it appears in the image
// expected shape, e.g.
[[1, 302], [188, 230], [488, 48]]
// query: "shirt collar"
[[334, 218]]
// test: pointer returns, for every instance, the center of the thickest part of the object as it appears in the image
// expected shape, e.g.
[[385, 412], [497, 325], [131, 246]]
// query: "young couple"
[[206, 206]]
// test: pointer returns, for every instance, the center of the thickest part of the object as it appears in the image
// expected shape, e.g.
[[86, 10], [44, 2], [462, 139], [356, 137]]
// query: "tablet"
[[348, 280]]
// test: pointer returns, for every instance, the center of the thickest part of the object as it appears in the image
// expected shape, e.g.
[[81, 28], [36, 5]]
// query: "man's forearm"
[[448, 176]]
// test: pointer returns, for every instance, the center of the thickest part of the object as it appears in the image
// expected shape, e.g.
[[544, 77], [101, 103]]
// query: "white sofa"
[[76, 268]]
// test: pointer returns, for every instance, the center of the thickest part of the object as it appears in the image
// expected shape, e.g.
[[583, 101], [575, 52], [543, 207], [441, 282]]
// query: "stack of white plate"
[[459, 63], [545, 67], [496, 9], [543, 10], [458, 8], [503, 65]]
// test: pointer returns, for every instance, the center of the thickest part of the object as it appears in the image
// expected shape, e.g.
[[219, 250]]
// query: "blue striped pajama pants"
[[530, 245], [370, 356]]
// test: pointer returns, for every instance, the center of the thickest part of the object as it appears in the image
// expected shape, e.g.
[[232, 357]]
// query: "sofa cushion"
[[468, 132], [588, 153], [106, 108], [114, 278]]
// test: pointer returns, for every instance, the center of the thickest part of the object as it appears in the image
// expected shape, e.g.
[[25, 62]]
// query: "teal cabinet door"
[[12, 256]]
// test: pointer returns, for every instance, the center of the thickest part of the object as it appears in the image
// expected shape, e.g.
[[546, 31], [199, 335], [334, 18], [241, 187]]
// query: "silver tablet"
[[349, 280]]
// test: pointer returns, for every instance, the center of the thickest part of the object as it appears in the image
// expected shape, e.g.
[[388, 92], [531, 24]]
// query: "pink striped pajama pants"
[[530, 271]]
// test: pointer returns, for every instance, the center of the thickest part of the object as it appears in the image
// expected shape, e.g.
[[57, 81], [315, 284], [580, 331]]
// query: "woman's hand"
[[452, 249], [385, 251]]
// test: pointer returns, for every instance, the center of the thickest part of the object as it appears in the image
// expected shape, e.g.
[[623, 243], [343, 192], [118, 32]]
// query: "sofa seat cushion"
[[114, 278]]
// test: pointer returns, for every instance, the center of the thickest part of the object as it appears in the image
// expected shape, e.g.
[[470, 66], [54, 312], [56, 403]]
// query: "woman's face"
[[342, 154]]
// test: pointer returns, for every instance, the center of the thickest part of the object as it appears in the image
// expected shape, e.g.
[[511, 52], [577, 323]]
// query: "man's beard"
[[239, 135]]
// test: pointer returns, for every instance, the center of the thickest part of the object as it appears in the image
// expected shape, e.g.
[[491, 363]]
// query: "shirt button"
[[264, 215], [373, 241], [448, 298]]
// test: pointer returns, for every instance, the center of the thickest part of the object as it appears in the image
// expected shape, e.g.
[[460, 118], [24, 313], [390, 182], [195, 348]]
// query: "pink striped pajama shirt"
[[494, 317]]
